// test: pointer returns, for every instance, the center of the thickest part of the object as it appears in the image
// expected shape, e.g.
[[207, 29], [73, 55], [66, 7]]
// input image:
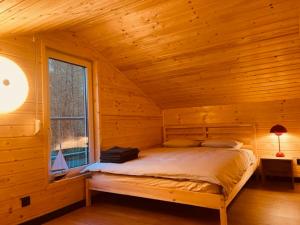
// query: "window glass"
[[68, 114]]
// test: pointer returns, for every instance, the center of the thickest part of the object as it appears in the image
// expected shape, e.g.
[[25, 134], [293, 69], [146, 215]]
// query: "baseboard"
[[52, 215], [283, 179]]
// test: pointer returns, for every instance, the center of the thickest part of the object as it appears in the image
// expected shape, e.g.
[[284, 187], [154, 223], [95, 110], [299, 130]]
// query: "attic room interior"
[[118, 112]]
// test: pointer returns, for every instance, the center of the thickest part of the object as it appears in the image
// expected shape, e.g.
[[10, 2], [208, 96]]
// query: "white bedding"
[[184, 185], [221, 166]]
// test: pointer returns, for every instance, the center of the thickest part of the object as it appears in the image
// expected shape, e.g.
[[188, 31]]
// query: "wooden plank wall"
[[23, 168], [129, 118], [263, 114]]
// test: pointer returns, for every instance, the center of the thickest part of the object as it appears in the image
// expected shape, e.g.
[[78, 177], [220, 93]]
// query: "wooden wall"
[[128, 118], [263, 114], [23, 165]]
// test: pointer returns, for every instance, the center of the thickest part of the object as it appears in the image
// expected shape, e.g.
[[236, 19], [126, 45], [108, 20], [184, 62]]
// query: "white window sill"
[[72, 174], [66, 180]]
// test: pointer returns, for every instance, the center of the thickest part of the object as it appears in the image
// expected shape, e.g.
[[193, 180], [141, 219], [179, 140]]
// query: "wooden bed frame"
[[207, 200]]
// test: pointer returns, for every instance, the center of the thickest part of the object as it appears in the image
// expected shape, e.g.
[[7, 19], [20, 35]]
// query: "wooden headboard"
[[245, 133]]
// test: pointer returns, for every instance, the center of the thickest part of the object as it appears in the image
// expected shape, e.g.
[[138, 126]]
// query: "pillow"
[[174, 143], [216, 143]]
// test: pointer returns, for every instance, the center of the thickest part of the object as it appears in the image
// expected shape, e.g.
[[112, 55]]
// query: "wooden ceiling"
[[181, 52]]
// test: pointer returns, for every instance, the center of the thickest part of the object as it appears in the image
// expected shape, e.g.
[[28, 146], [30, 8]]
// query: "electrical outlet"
[[25, 201], [298, 161]]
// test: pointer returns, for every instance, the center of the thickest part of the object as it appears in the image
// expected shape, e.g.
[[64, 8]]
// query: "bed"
[[201, 176]]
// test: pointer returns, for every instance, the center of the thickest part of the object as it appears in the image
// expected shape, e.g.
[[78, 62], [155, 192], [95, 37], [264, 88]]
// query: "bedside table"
[[275, 166]]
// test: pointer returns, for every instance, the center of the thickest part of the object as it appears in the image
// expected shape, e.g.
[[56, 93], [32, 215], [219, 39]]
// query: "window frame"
[[76, 60]]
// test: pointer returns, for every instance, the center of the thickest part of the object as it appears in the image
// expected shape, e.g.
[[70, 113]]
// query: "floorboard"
[[274, 204]]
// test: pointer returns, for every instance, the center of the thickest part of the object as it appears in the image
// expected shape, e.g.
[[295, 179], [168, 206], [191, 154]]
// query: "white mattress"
[[193, 166], [161, 183]]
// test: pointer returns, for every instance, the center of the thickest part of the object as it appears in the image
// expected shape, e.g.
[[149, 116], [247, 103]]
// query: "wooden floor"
[[255, 205]]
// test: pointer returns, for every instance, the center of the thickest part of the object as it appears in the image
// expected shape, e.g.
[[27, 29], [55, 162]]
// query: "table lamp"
[[278, 130]]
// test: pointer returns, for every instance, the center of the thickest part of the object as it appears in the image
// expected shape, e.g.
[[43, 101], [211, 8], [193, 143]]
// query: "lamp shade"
[[278, 130], [13, 86]]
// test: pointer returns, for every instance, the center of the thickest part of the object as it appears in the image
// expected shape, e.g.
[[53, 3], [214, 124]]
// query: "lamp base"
[[280, 154]]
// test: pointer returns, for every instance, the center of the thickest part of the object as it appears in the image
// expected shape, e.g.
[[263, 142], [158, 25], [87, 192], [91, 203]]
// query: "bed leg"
[[223, 216], [87, 194]]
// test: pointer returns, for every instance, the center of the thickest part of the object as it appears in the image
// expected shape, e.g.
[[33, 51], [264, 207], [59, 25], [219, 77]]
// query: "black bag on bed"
[[119, 154]]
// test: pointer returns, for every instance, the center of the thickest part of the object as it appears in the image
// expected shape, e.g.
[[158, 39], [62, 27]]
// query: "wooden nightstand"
[[277, 167]]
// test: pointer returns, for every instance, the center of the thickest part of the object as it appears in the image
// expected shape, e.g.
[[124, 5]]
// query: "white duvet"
[[221, 166]]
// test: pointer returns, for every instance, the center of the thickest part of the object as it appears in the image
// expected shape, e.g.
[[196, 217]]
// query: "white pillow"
[[217, 143], [174, 143]]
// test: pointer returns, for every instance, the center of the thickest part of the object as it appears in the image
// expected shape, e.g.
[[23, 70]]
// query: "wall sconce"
[[13, 86]]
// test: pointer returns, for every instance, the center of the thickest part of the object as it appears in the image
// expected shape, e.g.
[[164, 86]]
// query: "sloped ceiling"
[[181, 53]]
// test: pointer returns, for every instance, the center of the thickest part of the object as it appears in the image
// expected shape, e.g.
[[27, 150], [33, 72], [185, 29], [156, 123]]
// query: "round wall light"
[[13, 86]]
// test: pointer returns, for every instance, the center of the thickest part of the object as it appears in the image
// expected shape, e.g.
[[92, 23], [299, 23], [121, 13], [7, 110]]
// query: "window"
[[70, 111]]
